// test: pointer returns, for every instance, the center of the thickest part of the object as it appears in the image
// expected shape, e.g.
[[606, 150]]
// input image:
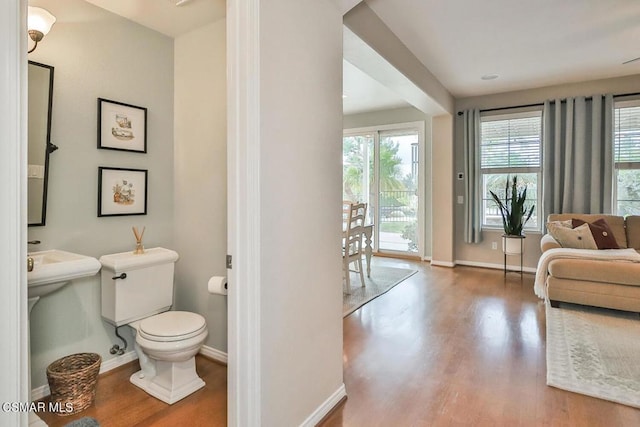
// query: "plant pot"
[[512, 245]]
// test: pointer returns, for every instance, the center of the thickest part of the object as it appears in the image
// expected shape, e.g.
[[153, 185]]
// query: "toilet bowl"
[[172, 336], [166, 344], [137, 290]]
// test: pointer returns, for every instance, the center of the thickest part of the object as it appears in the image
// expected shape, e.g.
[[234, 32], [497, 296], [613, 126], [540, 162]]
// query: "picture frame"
[[122, 191], [121, 126]]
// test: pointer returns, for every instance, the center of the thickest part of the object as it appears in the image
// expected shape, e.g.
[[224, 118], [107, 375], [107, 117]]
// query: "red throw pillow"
[[601, 232]]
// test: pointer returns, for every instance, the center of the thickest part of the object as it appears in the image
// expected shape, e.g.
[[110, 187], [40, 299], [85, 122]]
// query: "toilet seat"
[[172, 326]]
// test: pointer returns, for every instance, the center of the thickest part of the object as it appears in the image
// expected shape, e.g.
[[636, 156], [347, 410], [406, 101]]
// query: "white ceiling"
[[527, 43], [164, 16]]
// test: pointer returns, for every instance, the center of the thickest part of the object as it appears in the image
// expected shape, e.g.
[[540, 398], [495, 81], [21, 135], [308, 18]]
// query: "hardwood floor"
[[121, 404], [463, 346]]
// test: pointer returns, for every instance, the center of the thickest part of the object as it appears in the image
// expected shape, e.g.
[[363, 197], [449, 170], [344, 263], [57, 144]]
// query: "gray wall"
[[482, 253], [300, 233], [98, 54], [201, 175]]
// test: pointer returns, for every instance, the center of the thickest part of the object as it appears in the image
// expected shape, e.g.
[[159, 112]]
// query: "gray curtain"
[[471, 135], [577, 155]]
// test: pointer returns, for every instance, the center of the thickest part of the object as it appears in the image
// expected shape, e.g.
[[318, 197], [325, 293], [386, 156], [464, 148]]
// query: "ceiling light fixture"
[[39, 22], [489, 77]]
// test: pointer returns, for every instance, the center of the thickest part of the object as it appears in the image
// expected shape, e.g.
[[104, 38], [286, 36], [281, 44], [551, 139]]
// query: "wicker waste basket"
[[72, 380]]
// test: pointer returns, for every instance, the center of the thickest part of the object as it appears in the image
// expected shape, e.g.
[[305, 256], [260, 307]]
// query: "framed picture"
[[122, 191], [121, 126]]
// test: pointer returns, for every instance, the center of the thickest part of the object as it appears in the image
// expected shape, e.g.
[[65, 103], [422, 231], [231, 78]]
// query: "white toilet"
[[137, 290]]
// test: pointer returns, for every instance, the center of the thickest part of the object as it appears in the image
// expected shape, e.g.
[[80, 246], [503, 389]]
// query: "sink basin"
[[54, 268]]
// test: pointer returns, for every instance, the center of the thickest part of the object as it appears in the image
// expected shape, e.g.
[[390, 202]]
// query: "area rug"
[[594, 352], [382, 279]]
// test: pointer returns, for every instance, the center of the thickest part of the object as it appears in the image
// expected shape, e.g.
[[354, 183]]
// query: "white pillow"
[[577, 238], [567, 224]]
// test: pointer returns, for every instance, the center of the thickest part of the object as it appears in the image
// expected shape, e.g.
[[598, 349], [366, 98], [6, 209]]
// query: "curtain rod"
[[542, 103]]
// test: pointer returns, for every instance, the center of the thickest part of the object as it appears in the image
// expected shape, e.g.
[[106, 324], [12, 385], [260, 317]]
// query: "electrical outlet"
[[460, 200], [494, 246]]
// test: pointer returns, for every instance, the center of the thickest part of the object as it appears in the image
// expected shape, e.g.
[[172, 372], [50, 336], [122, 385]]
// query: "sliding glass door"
[[398, 192], [357, 169], [382, 168]]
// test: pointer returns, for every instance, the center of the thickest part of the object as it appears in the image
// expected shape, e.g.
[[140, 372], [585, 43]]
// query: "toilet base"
[[173, 380]]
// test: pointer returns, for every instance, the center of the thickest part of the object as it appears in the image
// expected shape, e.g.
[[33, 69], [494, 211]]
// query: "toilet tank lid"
[[124, 261]]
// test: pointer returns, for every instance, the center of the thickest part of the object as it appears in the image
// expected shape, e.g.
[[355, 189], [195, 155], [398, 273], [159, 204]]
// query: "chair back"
[[356, 215], [354, 228], [353, 233], [346, 207]]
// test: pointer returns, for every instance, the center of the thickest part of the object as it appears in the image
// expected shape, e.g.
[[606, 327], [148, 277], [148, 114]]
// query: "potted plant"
[[515, 215]]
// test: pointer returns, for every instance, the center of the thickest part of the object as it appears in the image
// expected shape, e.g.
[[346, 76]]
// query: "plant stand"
[[512, 245]]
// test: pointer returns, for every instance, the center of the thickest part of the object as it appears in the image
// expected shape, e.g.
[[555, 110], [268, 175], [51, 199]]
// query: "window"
[[510, 145], [626, 153]]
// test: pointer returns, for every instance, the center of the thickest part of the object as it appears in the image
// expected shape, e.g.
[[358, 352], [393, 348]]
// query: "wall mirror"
[[40, 101]]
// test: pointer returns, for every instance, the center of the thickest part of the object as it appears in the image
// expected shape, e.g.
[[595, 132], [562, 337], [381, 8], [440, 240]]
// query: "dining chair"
[[352, 248], [346, 207]]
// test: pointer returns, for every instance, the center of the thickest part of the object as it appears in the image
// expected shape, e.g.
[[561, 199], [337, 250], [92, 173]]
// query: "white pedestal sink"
[[52, 270]]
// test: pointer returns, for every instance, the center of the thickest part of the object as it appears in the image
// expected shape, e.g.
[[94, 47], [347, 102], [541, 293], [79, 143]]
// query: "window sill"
[[501, 231]]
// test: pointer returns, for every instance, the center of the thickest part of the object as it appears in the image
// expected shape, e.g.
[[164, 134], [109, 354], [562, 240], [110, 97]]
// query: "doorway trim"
[[13, 224], [424, 181], [243, 213]]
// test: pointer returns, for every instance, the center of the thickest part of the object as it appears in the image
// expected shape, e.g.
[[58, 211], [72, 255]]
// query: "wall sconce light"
[[39, 23]]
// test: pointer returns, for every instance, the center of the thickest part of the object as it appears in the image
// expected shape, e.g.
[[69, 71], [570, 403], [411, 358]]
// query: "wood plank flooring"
[[458, 347], [121, 404], [447, 347]]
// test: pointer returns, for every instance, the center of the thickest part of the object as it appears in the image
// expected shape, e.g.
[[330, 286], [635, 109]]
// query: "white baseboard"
[[326, 407], [44, 391], [116, 362], [214, 354], [442, 263], [40, 392], [510, 267]]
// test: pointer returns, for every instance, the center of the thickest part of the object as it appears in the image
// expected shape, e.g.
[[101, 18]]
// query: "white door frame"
[[422, 178], [244, 191], [14, 371], [243, 212]]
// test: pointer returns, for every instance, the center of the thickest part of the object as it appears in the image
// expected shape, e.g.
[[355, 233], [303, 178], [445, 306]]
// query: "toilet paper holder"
[[217, 285]]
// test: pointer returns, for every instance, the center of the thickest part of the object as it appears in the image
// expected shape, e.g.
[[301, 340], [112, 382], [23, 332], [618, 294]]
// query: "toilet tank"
[[135, 286]]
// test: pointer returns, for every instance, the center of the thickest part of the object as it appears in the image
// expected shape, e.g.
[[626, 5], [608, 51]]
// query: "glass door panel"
[[357, 170], [398, 192], [381, 169]]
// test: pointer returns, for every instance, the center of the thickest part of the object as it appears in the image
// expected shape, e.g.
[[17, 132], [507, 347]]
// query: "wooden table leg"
[[368, 251]]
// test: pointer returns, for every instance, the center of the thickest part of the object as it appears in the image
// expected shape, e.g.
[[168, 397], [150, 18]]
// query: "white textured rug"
[[594, 352], [382, 279]]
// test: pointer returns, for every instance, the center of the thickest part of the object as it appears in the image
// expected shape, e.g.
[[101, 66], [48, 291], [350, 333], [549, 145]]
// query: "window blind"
[[511, 143], [627, 134]]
